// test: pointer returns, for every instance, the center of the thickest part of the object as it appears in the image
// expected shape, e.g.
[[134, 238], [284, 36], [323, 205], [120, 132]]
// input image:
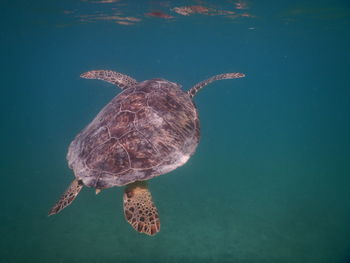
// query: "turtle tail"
[[193, 91]]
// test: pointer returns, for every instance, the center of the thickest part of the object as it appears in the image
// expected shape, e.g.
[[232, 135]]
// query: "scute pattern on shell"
[[145, 131]]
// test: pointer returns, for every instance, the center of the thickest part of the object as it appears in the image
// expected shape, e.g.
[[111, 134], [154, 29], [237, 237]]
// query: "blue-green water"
[[270, 179]]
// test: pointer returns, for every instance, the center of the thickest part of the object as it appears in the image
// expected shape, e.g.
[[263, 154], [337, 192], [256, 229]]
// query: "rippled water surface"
[[270, 179]]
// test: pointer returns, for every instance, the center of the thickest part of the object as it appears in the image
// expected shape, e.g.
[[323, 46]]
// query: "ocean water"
[[270, 180]]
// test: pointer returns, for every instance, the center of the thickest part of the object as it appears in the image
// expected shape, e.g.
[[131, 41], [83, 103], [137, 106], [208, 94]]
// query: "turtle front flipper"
[[116, 78], [193, 91], [139, 209], [67, 198]]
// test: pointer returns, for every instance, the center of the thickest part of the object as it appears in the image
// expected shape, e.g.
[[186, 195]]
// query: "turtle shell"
[[147, 130]]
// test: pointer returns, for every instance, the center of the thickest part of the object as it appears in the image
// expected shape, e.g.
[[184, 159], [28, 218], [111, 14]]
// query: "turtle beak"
[[98, 191]]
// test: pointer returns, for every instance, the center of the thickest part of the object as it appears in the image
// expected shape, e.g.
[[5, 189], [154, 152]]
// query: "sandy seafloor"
[[270, 180]]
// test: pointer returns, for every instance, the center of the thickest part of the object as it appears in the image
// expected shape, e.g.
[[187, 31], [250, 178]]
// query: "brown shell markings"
[[145, 131]]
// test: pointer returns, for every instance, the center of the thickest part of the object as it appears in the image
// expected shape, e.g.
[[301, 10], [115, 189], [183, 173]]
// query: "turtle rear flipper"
[[116, 78], [67, 198], [139, 209]]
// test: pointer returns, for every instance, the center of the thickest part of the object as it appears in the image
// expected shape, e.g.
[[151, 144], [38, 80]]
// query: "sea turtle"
[[149, 129]]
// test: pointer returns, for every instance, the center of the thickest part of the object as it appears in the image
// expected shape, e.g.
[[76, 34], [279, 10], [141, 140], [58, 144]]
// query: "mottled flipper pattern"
[[203, 83], [139, 209], [116, 78], [67, 198]]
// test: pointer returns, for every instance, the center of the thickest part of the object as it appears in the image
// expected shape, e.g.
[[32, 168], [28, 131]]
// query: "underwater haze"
[[270, 180]]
